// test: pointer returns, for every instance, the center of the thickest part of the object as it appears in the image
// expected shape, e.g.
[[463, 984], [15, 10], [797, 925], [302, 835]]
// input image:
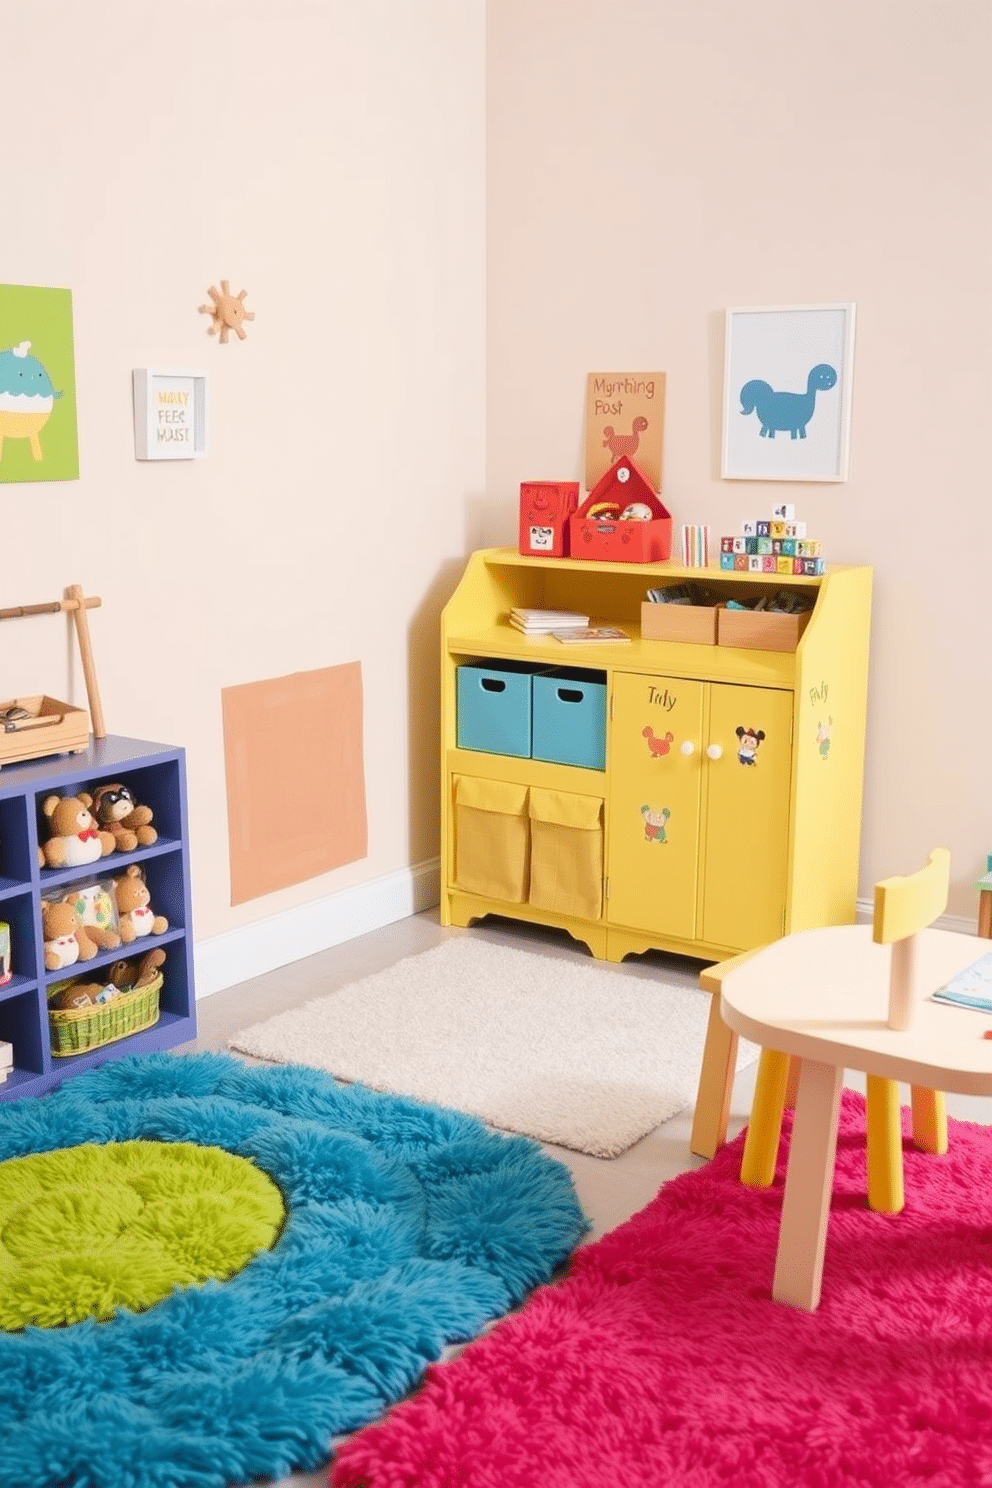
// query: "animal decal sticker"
[[748, 740], [658, 745], [784, 411], [655, 823], [823, 737]]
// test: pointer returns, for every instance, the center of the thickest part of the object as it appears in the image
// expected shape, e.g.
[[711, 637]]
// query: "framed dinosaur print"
[[788, 375]]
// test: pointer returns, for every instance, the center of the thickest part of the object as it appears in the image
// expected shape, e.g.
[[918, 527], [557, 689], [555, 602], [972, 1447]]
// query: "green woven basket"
[[74, 1030]]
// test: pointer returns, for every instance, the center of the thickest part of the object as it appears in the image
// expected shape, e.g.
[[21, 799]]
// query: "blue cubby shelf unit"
[[156, 774]]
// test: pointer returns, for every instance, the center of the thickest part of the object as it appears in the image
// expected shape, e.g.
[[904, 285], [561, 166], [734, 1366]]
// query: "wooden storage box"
[[676, 622], [760, 630], [50, 727]]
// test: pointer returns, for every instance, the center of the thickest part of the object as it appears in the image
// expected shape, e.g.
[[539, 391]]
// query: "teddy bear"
[[128, 976], [134, 917], [74, 838], [67, 940], [82, 994], [118, 812]]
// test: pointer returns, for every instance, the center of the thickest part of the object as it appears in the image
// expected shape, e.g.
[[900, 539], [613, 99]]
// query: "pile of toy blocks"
[[779, 545]]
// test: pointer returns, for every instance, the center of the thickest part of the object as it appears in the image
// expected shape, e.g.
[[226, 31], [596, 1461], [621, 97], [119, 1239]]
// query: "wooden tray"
[[51, 727], [761, 630], [673, 622]]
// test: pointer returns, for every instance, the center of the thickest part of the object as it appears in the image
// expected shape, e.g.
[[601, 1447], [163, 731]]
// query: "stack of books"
[[6, 1060], [544, 622]]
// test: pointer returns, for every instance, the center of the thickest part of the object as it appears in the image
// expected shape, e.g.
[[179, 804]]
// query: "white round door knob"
[[714, 751], [688, 747]]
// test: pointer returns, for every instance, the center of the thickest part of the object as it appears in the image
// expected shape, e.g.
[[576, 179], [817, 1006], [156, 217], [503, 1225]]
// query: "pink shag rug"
[[662, 1360]]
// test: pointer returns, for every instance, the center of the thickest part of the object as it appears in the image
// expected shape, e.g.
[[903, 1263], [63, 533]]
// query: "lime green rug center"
[[86, 1230]]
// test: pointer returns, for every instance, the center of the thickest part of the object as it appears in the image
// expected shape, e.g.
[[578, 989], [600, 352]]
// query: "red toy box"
[[545, 507], [600, 532]]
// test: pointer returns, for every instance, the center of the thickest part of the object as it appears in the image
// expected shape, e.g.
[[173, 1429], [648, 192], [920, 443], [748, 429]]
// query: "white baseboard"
[[959, 923], [241, 954], [234, 957]]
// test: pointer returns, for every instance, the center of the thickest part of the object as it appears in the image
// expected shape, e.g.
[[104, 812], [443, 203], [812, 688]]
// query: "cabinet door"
[[654, 803], [746, 841]]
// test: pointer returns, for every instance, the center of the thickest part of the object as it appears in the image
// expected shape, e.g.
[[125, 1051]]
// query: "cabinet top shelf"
[[760, 668], [102, 757], [669, 568]]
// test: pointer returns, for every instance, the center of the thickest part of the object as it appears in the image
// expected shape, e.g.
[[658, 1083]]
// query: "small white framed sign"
[[788, 375], [170, 414]]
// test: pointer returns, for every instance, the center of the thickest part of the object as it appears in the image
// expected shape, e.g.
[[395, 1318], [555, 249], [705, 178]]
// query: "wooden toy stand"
[[51, 726]]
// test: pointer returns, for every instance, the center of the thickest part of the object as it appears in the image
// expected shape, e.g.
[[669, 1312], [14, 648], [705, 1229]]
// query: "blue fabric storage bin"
[[569, 725], [494, 707]]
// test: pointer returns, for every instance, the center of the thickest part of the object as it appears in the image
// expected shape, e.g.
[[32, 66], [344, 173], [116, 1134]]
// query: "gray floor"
[[610, 1190]]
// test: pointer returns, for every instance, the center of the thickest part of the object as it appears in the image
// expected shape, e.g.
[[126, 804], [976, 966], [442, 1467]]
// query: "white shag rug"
[[567, 1052]]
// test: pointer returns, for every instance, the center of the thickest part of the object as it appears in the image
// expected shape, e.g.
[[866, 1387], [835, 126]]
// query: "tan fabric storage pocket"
[[566, 853], [492, 835]]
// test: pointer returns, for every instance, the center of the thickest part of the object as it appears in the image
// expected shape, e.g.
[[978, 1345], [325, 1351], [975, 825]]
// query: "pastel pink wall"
[[328, 157], [651, 162]]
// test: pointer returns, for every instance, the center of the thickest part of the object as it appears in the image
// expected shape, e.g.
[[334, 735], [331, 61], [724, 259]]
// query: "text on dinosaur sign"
[[609, 392]]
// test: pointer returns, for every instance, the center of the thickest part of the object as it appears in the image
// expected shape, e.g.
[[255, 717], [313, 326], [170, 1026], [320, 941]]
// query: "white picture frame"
[[783, 416], [170, 414]]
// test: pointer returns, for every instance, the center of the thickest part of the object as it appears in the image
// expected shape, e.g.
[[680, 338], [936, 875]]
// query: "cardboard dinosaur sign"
[[625, 415]]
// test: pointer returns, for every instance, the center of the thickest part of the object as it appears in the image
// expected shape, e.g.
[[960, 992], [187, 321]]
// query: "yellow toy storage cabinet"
[[728, 811]]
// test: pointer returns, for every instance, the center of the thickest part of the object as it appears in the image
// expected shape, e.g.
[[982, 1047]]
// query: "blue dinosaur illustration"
[[791, 411]]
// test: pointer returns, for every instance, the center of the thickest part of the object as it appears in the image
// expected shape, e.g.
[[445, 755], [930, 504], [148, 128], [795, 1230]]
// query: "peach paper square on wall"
[[295, 770]]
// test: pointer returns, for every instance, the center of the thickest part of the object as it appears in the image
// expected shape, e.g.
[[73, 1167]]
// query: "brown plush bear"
[[118, 812], [74, 838], [134, 918], [81, 994], [67, 939], [129, 976]]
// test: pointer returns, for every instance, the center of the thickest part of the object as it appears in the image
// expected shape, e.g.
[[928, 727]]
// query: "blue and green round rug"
[[209, 1270]]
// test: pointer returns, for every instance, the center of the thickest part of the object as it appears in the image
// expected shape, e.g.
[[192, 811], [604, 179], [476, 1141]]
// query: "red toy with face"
[[545, 507]]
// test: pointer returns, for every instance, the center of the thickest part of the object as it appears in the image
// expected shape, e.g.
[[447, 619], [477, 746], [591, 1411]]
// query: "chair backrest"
[[905, 905]]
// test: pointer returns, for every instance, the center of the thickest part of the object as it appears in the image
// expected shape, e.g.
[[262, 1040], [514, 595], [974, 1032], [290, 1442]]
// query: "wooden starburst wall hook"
[[228, 312]]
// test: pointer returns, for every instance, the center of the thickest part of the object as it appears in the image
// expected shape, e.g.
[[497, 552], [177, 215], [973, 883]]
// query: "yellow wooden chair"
[[903, 907]]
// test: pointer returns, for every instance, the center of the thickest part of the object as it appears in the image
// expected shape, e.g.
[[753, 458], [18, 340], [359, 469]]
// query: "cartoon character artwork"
[[659, 745], [748, 740], [786, 412], [823, 737], [655, 823], [27, 397]]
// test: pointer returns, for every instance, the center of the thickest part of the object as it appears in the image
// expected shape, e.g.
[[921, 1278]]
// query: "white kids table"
[[823, 996]]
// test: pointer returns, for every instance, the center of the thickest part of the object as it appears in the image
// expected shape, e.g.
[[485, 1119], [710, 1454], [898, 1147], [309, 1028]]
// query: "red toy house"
[[545, 507], [600, 531]]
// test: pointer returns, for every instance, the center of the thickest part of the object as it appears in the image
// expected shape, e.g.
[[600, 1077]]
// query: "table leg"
[[765, 1127], [929, 1120], [883, 1126], [716, 1081], [806, 1205]]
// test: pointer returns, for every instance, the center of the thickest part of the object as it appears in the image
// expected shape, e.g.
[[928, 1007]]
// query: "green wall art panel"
[[37, 385]]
